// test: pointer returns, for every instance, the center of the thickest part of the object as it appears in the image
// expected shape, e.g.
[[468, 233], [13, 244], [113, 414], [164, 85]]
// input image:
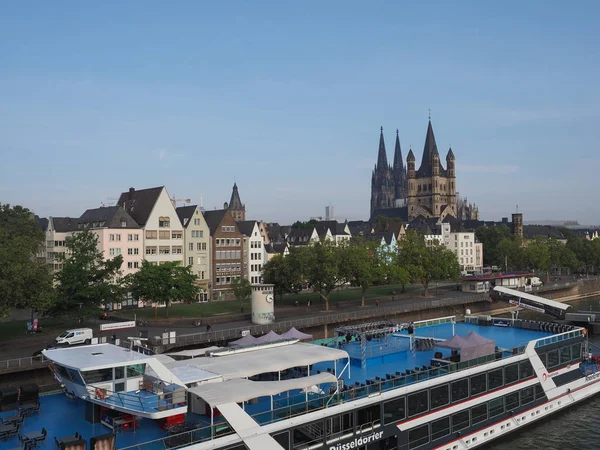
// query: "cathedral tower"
[[235, 206], [399, 175], [382, 181]]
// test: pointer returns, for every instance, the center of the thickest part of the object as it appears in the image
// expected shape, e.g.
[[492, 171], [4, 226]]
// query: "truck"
[[76, 336]]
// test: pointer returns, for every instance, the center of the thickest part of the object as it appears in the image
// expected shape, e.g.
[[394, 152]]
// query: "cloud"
[[489, 168]]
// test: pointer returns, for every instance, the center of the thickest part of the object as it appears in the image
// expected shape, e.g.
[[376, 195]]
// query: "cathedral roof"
[[450, 154], [411, 155], [398, 162], [235, 202], [382, 156], [430, 149]]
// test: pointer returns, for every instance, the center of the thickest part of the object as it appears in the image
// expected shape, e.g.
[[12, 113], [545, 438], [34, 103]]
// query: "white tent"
[[295, 334]]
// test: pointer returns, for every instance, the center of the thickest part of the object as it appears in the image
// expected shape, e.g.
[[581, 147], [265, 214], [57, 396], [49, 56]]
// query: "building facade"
[[196, 236], [153, 210], [464, 244], [254, 247], [57, 231], [388, 183], [227, 252]]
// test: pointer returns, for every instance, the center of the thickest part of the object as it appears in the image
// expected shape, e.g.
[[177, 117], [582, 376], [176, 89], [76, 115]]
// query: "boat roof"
[[257, 361], [193, 353], [241, 390], [97, 356], [533, 298]]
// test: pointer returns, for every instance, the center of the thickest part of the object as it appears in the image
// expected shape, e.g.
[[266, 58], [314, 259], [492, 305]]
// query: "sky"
[[287, 98]]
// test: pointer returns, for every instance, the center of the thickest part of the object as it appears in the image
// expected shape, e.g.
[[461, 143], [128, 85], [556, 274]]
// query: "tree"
[[510, 254], [365, 265], [323, 267], [86, 280], [538, 255], [284, 273], [490, 237], [25, 282], [163, 283], [241, 290], [304, 225], [582, 248]]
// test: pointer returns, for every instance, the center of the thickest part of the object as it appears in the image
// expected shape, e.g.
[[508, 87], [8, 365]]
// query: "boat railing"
[[149, 402], [559, 337]]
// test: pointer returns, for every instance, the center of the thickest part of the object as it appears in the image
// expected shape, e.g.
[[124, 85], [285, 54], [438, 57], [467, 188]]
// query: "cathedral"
[[408, 193]]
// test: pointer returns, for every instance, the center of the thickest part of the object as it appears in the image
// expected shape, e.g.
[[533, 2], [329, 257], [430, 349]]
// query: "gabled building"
[[153, 210], [254, 248], [385, 239], [302, 236], [340, 232], [118, 234], [196, 238], [57, 232], [227, 252], [360, 228], [276, 249], [235, 205]]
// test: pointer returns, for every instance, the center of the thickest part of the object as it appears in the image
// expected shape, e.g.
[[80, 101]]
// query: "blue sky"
[[288, 98]]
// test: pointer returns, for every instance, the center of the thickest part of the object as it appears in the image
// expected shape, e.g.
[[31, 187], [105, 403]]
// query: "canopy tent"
[[193, 353], [241, 390], [246, 340], [295, 334], [271, 336], [478, 346], [456, 342], [263, 360]]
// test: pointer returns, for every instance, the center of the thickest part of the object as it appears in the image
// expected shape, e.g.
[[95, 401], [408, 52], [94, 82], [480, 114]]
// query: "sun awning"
[[263, 360], [292, 333], [241, 390]]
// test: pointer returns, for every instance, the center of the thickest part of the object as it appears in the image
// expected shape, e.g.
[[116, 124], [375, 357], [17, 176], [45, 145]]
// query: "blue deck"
[[62, 416]]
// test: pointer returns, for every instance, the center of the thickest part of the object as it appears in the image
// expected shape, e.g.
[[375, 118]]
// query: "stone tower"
[[399, 175], [235, 206], [382, 182], [517, 225]]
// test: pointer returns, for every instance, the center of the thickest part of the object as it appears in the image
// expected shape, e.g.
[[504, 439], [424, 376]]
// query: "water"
[[576, 428]]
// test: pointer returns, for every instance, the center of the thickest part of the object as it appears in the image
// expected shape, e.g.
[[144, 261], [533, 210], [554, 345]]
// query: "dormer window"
[[123, 224]]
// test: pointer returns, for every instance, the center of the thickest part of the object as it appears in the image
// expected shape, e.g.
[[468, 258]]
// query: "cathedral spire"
[[398, 162], [382, 156], [429, 150]]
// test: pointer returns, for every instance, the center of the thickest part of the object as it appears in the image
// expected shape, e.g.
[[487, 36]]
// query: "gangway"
[[532, 302]]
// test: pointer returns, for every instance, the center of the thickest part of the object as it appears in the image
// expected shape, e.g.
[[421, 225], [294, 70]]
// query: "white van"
[[78, 336], [536, 282]]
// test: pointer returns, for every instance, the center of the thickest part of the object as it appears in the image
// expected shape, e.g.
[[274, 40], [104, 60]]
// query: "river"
[[576, 428]]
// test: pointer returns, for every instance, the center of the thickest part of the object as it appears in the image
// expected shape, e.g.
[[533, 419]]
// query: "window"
[[565, 355], [368, 414], [543, 358], [417, 403], [164, 250], [525, 370], [97, 376], [204, 246], [460, 390], [135, 370], [191, 246], [133, 251], [478, 384], [115, 251], [198, 246], [130, 265], [202, 275], [512, 401], [150, 234], [496, 407], [164, 235], [237, 241], [177, 250], [511, 374], [439, 396], [539, 392], [177, 235], [164, 222], [460, 421], [479, 413], [552, 359], [190, 261], [394, 410], [218, 242], [527, 395], [150, 250], [440, 428], [132, 237], [119, 373], [418, 436], [576, 351]]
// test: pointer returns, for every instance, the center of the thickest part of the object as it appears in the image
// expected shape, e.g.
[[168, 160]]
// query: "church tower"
[[399, 175], [382, 182], [235, 206]]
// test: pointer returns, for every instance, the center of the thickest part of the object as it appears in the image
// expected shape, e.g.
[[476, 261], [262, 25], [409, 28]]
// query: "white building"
[[464, 244], [57, 232], [197, 246], [254, 250]]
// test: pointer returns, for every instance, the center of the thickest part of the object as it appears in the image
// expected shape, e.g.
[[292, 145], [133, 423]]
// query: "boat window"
[[369, 414], [525, 369], [543, 358], [98, 375], [417, 403], [576, 351], [479, 413], [75, 377], [511, 374], [394, 410], [539, 392], [512, 400], [526, 395], [283, 439], [418, 436], [460, 421], [460, 390], [495, 379], [343, 423], [565, 355], [309, 435], [439, 396], [119, 373], [440, 428], [552, 359], [496, 407], [120, 387], [135, 370], [478, 384]]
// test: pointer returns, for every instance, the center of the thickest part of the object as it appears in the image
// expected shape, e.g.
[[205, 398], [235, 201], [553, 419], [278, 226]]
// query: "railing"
[[30, 361], [559, 337], [148, 404], [324, 319]]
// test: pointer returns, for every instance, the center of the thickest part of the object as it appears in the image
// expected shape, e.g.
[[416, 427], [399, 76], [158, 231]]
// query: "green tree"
[[490, 237], [395, 273], [284, 273], [538, 255], [163, 283], [25, 282], [323, 267], [241, 290], [309, 224], [582, 248], [365, 265], [510, 254], [86, 280]]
